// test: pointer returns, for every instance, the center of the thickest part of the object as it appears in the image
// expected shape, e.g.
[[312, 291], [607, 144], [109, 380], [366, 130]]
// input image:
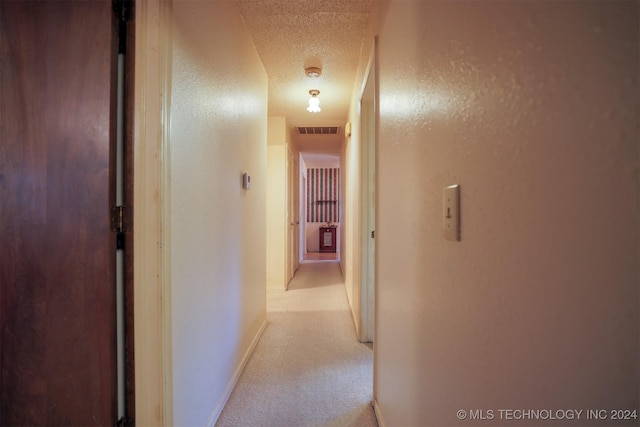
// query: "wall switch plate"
[[246, 181], [451, 213]]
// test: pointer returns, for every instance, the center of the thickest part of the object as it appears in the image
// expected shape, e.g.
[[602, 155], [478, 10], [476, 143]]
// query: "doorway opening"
[[320, 179], [368, 128]]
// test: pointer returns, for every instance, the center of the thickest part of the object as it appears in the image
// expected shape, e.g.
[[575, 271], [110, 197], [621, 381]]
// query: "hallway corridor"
[[308, 368]]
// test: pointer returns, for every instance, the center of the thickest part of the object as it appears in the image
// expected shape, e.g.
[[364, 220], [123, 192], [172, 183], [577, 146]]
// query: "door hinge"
[[120, 219], [373, 234]]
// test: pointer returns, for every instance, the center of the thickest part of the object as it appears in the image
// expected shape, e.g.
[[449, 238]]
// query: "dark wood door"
[[57, 298]]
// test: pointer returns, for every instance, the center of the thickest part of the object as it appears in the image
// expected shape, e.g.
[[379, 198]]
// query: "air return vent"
[[318, 130]]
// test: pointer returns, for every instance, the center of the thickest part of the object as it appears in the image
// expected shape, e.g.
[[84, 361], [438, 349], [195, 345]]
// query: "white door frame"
[[368, 133]]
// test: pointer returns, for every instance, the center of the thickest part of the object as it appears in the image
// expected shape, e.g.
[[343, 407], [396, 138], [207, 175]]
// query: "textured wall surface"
[[217, 253], [532, 107]]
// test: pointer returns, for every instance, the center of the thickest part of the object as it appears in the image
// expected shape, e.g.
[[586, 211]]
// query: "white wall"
[[217, 230], [532, 107]]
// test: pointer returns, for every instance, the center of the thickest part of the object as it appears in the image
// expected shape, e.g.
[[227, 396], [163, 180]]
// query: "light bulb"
[[314, 105], [314, 102]]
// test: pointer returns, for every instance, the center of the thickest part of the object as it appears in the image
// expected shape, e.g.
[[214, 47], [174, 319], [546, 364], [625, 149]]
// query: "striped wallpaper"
[[323, 187]]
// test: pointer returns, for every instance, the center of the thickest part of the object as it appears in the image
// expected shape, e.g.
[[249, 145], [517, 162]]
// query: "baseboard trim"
[[236, 375], [378, 412]]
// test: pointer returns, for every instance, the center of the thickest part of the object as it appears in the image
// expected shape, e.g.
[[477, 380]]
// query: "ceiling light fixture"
[[313, 72], [314, 101]]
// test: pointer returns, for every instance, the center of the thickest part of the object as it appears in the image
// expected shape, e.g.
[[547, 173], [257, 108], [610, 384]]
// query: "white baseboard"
[[378, 411], [236, 375]]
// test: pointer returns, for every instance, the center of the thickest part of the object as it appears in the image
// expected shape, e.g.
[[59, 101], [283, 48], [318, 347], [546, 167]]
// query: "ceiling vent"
[[318, 130]]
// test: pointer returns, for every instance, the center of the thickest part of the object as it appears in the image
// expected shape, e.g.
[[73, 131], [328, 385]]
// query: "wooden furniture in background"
[[327, 239]]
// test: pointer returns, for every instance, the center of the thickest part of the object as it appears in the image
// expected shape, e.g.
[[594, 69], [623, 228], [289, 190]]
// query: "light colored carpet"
[[308, 368]]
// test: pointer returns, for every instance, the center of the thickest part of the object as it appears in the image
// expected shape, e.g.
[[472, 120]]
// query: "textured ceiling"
[[293, 34]]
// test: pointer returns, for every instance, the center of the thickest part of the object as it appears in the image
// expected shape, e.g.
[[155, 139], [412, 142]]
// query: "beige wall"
[[351, 234], [350, 230], [532, 107], [277, 203], [218, 116]]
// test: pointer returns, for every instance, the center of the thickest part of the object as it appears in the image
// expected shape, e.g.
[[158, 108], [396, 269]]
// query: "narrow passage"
[[308, 369]]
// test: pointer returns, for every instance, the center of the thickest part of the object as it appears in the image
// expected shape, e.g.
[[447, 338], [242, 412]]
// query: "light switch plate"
[[451, 213]]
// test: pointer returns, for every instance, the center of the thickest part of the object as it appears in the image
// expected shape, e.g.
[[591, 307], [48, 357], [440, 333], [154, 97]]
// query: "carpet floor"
[[308, 368]]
